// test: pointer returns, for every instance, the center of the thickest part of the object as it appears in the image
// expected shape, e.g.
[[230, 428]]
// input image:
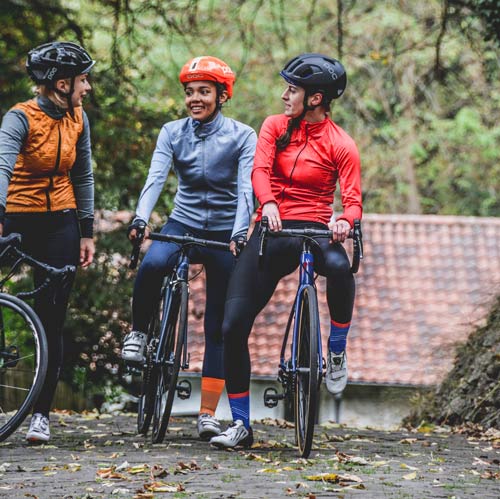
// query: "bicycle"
[[301, 374], [23, 345], [167, 342]]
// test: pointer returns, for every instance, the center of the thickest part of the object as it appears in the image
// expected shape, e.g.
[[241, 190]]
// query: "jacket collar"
[[315, 129], [206, 129], [48, 107]]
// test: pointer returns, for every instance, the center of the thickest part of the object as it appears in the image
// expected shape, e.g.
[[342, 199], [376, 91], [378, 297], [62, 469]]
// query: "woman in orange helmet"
[[212, 157]]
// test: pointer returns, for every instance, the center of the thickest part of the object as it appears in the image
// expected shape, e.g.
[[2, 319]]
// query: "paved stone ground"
[[95, 457]]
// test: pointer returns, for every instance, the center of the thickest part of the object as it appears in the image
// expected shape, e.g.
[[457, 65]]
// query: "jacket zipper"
[[56, 168]]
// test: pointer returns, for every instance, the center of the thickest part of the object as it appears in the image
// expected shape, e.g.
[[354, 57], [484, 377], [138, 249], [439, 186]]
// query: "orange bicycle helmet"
[[208, 68]]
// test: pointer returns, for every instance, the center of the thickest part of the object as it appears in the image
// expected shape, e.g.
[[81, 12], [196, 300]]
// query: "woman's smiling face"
[[200, 99]]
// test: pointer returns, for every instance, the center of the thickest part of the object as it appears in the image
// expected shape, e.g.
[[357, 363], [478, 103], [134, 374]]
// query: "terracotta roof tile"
[[425, 283]]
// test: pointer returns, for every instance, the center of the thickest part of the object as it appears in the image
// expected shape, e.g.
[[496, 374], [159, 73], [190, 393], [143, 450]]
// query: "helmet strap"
[[68, 96]]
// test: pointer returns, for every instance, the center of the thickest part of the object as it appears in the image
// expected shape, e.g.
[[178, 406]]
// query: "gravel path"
[[95, 456]]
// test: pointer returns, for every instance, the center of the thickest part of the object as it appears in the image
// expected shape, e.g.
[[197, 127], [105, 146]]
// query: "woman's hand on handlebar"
[[340, 230], [272, 212], [136, 229], [236, 245]]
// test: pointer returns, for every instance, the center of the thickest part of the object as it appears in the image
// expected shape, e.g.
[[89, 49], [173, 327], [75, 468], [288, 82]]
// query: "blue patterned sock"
[[240, 407], [338, 336]]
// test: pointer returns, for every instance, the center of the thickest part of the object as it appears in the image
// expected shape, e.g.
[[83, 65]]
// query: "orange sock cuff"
[[211, 390]]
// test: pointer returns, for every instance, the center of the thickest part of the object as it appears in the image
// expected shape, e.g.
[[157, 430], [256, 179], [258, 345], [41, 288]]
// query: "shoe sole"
[[35, 440], [246, 443], [207, 434]]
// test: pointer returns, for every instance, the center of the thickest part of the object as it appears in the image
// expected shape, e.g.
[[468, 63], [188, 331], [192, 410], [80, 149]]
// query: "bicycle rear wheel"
[[307, 379], [168, 370], [23, 361]]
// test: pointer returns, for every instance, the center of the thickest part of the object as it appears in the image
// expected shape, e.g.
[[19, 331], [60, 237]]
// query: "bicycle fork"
[[183, 387]]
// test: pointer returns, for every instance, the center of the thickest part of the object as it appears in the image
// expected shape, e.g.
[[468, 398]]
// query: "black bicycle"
[[23, 345], [301, 374], [167, 341]]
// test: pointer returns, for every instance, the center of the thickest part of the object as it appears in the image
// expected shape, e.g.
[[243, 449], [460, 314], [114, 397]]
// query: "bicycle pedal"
[[184, 389], [271, 397], [133, 370]]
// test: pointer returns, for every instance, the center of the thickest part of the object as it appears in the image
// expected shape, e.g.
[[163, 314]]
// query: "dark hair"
[[284, 139]]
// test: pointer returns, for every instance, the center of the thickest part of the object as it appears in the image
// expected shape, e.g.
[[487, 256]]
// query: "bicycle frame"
[[168, 348]]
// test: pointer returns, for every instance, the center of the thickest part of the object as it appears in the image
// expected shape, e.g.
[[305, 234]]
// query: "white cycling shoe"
[[236, 435], [133, 348], [336, 372], [208, 426], [39, 431]]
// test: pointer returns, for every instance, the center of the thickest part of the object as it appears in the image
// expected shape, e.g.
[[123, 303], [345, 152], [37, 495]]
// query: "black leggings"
[[52, 238], [253, 283]]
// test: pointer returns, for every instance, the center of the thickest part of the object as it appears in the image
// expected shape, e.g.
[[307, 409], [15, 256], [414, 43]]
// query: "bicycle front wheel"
[[23, 361], [148, 379], [308, 374], [168, 370]]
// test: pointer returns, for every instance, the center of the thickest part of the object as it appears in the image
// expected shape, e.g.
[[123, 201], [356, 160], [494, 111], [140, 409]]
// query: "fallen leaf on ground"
[[164, 487], [256, 457], [110, 473], [408, 441], [410, 476]]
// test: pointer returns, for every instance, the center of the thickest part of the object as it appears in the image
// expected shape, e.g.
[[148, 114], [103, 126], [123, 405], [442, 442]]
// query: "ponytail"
[[284, 139]]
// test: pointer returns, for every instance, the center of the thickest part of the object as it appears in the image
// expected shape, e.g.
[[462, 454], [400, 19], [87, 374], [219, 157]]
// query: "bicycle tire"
[[148, 376], [307, 376], [23, 361], [168, 373]]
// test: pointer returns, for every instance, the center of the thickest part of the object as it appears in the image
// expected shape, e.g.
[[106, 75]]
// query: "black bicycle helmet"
[[54, 61], [316, 73]]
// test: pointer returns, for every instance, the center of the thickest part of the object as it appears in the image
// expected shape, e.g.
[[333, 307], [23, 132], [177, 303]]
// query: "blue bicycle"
[[167, 344], [301, 374]]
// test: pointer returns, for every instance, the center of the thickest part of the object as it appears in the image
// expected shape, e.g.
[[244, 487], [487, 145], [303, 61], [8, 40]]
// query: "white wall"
[[361, 405]]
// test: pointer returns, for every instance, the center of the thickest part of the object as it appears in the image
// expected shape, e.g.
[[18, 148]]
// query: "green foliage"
[[422, 103], [99, 313]]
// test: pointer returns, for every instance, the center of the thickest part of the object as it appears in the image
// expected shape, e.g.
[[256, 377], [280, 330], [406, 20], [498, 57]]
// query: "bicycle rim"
[[168, 372], [23, 361], [307, 379]]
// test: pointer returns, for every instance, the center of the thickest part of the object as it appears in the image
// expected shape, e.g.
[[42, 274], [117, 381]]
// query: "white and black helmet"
[[54, 61], [316, 73]]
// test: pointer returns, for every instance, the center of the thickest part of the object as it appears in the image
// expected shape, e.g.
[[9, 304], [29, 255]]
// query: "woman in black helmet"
[[300, 156], [47, 188]]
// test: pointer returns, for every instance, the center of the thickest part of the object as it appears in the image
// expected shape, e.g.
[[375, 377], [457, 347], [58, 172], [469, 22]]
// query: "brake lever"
[[137, 243], [264, 227]]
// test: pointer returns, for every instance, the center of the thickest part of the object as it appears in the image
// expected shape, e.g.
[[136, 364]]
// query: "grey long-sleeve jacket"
[[213, 163]]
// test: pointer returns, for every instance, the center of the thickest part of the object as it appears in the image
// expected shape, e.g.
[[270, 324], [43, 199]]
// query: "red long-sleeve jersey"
[[302, 178]]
